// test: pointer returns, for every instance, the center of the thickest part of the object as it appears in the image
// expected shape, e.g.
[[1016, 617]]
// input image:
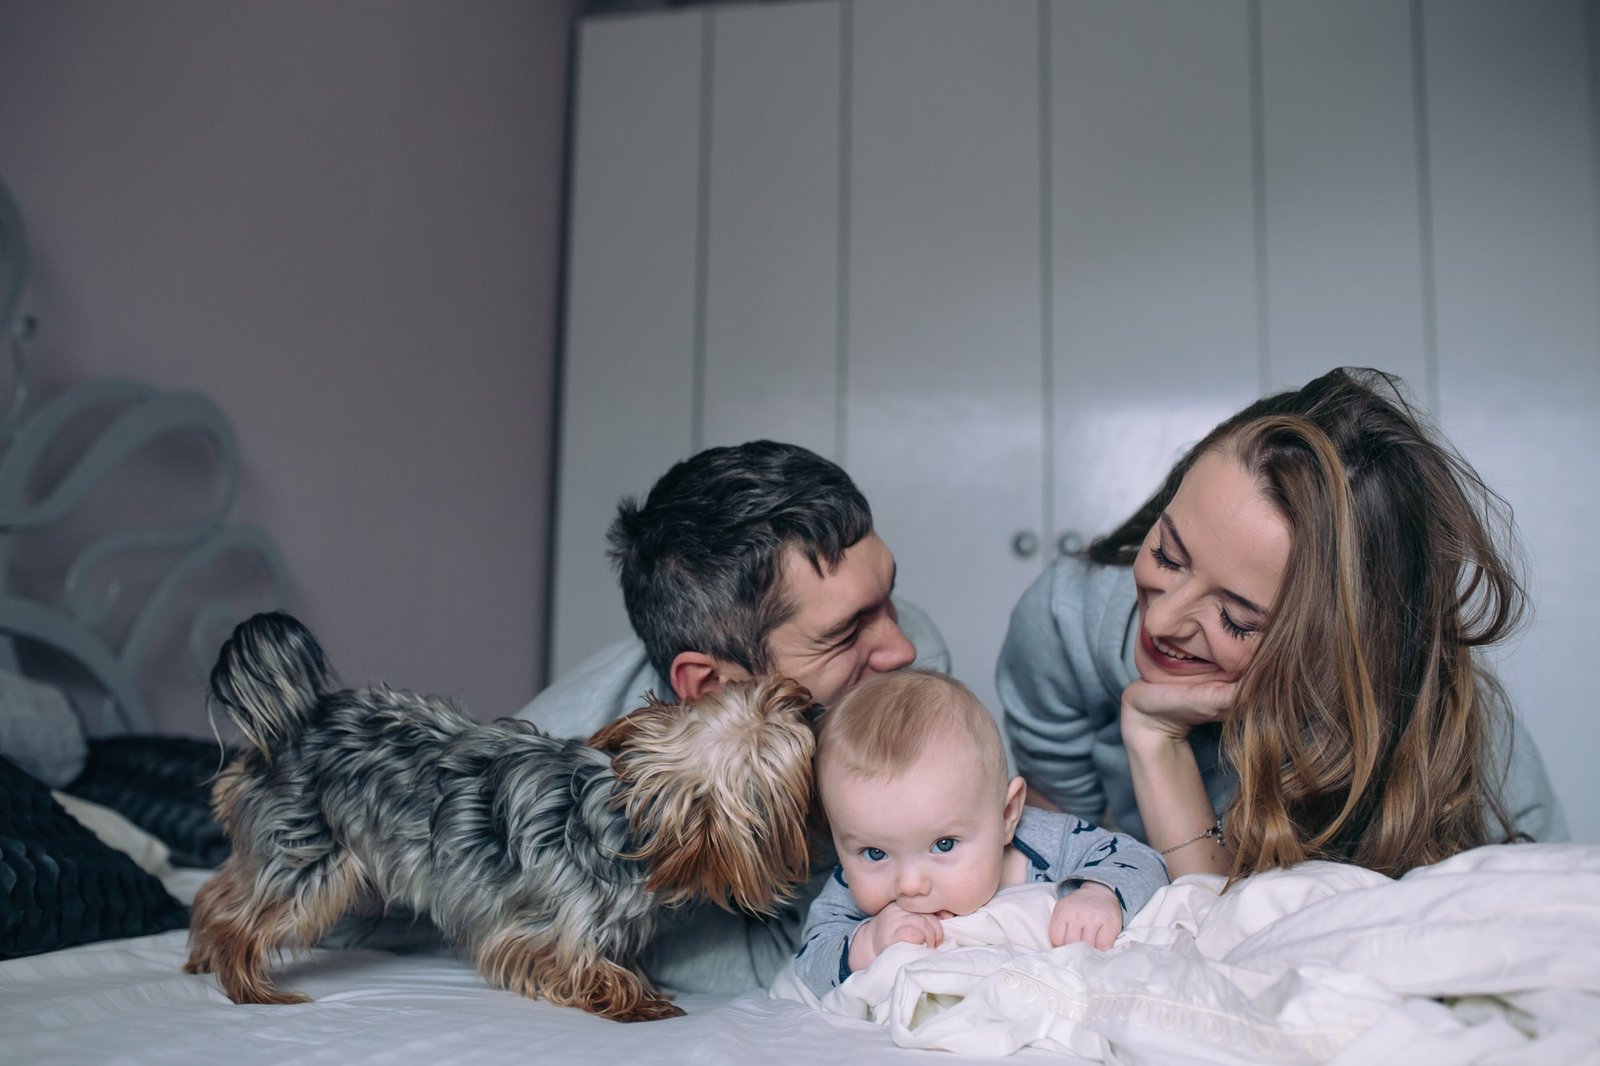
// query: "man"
[[742, 561]]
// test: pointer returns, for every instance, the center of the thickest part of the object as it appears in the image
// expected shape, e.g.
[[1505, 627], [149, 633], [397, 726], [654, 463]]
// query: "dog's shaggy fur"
[[546, 860]]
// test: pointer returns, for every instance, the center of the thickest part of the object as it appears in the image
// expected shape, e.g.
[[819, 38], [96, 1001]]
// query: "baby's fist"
[[892, 925], [1090, 914]]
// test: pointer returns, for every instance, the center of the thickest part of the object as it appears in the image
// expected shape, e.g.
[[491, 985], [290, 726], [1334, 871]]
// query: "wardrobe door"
[[943, 366], [1153, 272], [1513, 157], [773, 238], [1343, 229], [629, 376]]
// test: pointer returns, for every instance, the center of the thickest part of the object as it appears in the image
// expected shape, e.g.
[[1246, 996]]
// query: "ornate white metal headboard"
[[76, 626]]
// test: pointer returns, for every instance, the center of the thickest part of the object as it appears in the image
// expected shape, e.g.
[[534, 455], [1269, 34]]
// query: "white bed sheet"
[[127, 1002], [1490, 957]]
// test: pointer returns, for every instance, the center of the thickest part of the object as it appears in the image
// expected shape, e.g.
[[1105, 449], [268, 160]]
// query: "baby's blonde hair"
[[883, 726]]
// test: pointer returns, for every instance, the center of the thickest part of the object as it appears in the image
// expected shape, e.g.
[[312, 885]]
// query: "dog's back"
[[545, 859], [454, 819]]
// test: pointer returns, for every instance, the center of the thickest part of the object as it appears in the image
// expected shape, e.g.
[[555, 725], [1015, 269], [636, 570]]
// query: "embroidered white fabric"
[[1493, 955]]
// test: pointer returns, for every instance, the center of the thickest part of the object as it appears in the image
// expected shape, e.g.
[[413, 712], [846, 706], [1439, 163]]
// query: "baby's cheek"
[[870, 897]]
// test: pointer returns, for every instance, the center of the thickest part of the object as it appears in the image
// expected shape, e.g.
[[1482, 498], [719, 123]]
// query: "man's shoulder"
[[601, 689]]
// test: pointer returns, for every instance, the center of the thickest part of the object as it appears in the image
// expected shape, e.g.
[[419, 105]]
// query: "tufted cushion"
[[59, 885], [162, 784]]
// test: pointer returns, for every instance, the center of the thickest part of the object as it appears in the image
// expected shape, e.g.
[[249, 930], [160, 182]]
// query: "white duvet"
[[1492, 956]]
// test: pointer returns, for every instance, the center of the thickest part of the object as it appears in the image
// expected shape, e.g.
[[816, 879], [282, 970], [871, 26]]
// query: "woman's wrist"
[[1149, 735]]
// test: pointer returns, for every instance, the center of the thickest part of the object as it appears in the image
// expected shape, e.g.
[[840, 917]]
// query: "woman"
[[1286, 634]]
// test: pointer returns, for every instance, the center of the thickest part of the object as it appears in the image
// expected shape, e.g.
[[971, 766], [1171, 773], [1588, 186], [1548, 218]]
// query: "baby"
[[912, 776]]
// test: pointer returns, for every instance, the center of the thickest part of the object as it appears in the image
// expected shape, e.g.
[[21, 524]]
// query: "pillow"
[[39, 731], [115, 831], [59, 885], [162, 784]]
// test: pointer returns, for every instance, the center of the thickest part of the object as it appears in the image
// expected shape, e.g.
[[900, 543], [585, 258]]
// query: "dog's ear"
[[616, 735], [718, 792]]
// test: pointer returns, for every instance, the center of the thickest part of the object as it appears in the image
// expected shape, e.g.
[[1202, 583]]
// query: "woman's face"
[[1208, 574]]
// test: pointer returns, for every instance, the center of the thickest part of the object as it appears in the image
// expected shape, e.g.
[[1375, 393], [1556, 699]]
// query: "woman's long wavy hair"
[[1363, 724]]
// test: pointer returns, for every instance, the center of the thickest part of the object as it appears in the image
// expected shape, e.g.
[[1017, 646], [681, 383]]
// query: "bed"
[[105, 836]]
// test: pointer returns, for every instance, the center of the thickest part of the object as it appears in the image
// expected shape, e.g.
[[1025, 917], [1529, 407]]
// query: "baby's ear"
[[1016, 793]]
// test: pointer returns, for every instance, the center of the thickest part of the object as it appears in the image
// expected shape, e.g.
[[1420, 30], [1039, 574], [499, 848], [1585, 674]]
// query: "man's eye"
[[873, 854], [944, 844]]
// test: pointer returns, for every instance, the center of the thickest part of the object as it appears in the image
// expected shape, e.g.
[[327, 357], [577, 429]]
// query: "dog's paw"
[[649, 1010], [264, 994]]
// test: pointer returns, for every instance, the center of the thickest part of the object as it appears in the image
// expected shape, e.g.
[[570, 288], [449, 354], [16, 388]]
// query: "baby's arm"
[[1105, 878], [838, 939], [822, 961], [1089, 913]]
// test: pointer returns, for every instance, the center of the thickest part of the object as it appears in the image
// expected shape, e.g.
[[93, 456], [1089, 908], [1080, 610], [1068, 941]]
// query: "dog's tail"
[[269, 675]]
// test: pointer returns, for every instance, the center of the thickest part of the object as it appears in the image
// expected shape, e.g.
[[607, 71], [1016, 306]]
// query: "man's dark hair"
[[700, 560]]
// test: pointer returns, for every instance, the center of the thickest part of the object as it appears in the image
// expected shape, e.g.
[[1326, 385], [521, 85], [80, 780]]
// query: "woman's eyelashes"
[[1158, 552], [1234, 629]]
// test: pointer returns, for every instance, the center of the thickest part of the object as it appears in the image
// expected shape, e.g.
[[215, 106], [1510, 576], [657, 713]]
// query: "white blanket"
[[1491, 956]]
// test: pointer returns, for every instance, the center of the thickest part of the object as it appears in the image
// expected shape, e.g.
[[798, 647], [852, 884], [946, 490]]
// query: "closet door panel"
[[1511, 128], [943, 398], [627, 397], [1153, 261], [1343, 233], [772, 240]]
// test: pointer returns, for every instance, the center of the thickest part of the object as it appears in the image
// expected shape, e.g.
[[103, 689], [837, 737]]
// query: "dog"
[[547, 861]]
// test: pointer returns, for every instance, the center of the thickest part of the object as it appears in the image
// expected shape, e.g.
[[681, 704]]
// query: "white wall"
[[341, 221], [1232, 196]]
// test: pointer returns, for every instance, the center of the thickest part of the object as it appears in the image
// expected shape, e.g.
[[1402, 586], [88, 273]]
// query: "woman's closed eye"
[[1163, 560], [1234, 629]]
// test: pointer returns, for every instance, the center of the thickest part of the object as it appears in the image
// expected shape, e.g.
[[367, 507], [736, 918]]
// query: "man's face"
[[844, 627]]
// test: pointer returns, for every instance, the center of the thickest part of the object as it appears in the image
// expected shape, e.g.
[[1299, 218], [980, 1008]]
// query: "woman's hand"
[[1165, 712], [1156, 720]]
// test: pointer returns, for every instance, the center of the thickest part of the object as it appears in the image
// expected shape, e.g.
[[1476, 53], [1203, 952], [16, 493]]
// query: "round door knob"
[[1070, 542], [1025, 544]]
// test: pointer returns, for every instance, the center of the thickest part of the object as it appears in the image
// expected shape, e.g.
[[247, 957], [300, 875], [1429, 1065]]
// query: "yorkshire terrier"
[[545, 860]]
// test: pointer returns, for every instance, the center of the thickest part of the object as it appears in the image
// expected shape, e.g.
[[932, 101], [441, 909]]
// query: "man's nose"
[[893, 650]]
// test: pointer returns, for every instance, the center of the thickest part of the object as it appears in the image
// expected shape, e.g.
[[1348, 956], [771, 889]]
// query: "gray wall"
[[342, 221]]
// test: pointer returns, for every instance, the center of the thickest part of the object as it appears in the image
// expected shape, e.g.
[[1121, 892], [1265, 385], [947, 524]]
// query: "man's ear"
[[693, 674], [1016, 794]]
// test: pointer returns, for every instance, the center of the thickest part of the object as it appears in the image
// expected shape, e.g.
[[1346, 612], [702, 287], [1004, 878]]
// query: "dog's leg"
[[236, 929], [536, 966]]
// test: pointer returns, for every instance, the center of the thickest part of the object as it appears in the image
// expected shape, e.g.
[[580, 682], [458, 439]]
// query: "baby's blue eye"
[[944, 844], [873, 854]]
